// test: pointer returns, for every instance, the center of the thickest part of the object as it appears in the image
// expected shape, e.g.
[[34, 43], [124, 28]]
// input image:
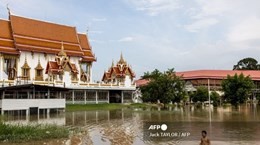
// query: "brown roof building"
[[30, 47], [25, 34], [210, 77]]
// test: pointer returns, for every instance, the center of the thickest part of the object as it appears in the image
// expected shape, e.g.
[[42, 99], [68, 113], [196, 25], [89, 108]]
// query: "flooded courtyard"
[[225, 125]]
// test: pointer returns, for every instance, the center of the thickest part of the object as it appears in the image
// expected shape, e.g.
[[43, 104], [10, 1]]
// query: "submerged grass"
[[106, 106], [23, 133], [83, 107]]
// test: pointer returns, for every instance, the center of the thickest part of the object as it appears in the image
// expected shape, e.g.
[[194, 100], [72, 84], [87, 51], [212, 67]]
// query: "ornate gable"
[[118, 71]]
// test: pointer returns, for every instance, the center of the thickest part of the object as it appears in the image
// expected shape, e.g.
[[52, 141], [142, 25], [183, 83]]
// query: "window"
[[26, 70], [39, 72], [26, 73]]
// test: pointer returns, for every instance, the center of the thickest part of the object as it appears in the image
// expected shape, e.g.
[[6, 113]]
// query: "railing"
[[61, 83], [8, 104]]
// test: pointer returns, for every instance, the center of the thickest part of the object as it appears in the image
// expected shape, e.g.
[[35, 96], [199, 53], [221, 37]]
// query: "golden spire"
[[121, 59], [62, 52], [39, 67], [112, 63], [25, 65]]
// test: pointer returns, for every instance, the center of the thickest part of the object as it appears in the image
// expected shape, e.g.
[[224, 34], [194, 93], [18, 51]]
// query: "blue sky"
[[180, 34]]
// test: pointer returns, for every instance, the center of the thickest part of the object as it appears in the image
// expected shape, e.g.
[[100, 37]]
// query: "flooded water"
[[225, 125]]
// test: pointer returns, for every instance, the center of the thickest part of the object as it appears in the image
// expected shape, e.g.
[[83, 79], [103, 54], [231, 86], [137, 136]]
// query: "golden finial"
[[8, 9], [112, 63], [121, 59], [62, 52]]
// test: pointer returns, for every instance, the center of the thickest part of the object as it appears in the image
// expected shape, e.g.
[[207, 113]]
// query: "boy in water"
[[204, 140]]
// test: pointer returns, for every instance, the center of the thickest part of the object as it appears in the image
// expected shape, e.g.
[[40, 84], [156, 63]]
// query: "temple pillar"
[[122, 96], [48, 113], [73, 97], [38, 113], [85, 97], [90, 73], [3, 95], [96, 97], [28, 95], [27, 112], [108, 96], [48, 94]]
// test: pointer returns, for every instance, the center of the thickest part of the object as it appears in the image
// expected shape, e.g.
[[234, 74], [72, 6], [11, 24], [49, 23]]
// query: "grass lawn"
[[23, 133], [106, 106]]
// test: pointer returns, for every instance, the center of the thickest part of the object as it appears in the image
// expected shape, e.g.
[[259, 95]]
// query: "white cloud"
[[200, 24], [95, 31], [99, 19], [246, 30], [246, 33], [126, 39], [213, 7], [155, 7]]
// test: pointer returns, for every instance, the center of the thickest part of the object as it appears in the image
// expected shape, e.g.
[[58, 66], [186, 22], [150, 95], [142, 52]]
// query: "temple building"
[[119, 73], [44, 65], [39, 51]]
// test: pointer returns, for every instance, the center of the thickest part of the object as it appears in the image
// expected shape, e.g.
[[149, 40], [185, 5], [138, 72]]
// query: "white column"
[[209, 92], [73, 97], [38, 114], [2, 112], [48, 94], [96, 97], [48, 113], [28, 95], [85, 97], [122, 96], [60, 95], [108, 96], [27, 112], [90, 73], [3, 95]]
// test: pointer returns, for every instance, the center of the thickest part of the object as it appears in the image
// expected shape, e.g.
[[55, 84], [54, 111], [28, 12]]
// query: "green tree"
[[237, 88], [215, 97], [247, 64], [163, 86], [200, 95]]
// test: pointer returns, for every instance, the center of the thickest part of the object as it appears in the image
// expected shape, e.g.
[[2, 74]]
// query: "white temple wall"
[[32, 61], [128, 81]]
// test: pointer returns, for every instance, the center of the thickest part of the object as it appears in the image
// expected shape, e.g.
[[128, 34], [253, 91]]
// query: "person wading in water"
[[204, 140]]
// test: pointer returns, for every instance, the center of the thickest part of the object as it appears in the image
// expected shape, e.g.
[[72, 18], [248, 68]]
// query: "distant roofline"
[[217, 74], [214, 70]]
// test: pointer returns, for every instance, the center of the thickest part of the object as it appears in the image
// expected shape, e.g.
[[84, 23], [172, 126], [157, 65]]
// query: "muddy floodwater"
[[225, 125]]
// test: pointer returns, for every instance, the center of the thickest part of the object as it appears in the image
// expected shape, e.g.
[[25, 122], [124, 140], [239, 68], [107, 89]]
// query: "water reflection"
[[125, 126]]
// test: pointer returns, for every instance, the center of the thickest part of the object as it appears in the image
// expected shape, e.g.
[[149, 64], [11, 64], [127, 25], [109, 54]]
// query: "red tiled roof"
[[6, 39], [117, 72], [217, 74], [53, 67], [44, 30], [209, 74], [141, 82], [88, 55], [25, 34]]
